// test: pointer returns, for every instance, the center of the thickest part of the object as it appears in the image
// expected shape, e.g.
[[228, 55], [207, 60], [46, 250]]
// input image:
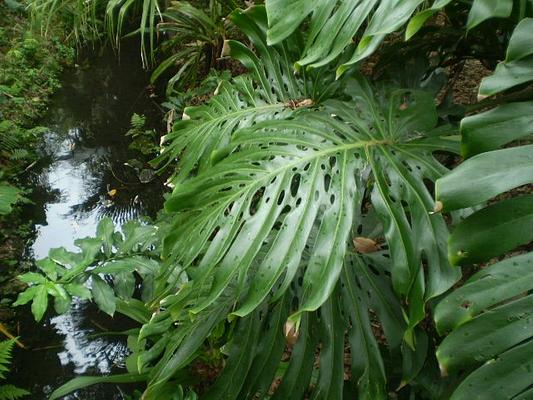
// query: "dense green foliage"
[[306, 240], [30, 66]]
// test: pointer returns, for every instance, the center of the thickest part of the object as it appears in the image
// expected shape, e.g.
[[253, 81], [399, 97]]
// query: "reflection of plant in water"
[[114, 190], [143, 140]]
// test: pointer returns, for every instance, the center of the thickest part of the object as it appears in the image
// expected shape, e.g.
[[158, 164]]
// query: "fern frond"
[[6, 347], [11, 392], [19, 154]]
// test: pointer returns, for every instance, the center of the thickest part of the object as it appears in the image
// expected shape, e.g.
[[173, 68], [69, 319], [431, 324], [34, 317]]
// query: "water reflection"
[[82, 351], [86, 174]]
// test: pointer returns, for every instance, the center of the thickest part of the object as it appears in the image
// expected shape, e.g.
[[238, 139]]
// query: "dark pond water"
[[85, 156]]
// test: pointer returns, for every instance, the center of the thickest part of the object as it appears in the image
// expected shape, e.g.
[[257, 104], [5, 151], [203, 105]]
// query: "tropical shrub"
[[277, 154], [194, 38], [488, 318], [302, 236]]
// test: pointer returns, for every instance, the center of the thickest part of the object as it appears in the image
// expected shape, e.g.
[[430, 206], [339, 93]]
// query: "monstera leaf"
[[334, 25], [271, 193], [488, 319]]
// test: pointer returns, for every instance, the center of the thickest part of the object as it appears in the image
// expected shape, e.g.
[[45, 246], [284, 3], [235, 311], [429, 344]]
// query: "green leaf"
[[104, 231], [137, 237], [333, 24], [492, 231], [485, 289], [26, 296], [65, 258], [492, 129], [135, 309], [417, 21], [78, 290], [506, 377], [493, 173], [103, 295], [487, 335], [40, 302], [84, 381], [484, 9], [490, 318], [32, 278], [507, 75], [518, 65], [142, 265], [6, 347], [519, 46], [62, 299], [49, 267], [124, 285], [229, 384]]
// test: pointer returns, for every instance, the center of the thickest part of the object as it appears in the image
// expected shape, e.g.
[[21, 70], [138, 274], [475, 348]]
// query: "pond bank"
[[30, 71]]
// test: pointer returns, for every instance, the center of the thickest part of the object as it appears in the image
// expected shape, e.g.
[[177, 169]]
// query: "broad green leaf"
[[492, 231], [240, 352], [507, 75], [90, 248], [62, 299], [333, 25], [487, 335], [182, 346], [518, 65], [40, 302], [270, 348], [26, 296], [485, 176], [137, 237], [331, 378], [134, 309], [32, 278], [124, 285], [484, 9], [495, 128], [65, 258], [142, 265], [103, 295], [485, 289], [366, 364], [84, 381], [78, 290], [506, 377], [104, 231], [49, 267], [519, 46]]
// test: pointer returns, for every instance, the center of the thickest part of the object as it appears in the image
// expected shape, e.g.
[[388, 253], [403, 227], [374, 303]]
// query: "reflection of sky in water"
[[71, 175], [83, 352], [84, 156]]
